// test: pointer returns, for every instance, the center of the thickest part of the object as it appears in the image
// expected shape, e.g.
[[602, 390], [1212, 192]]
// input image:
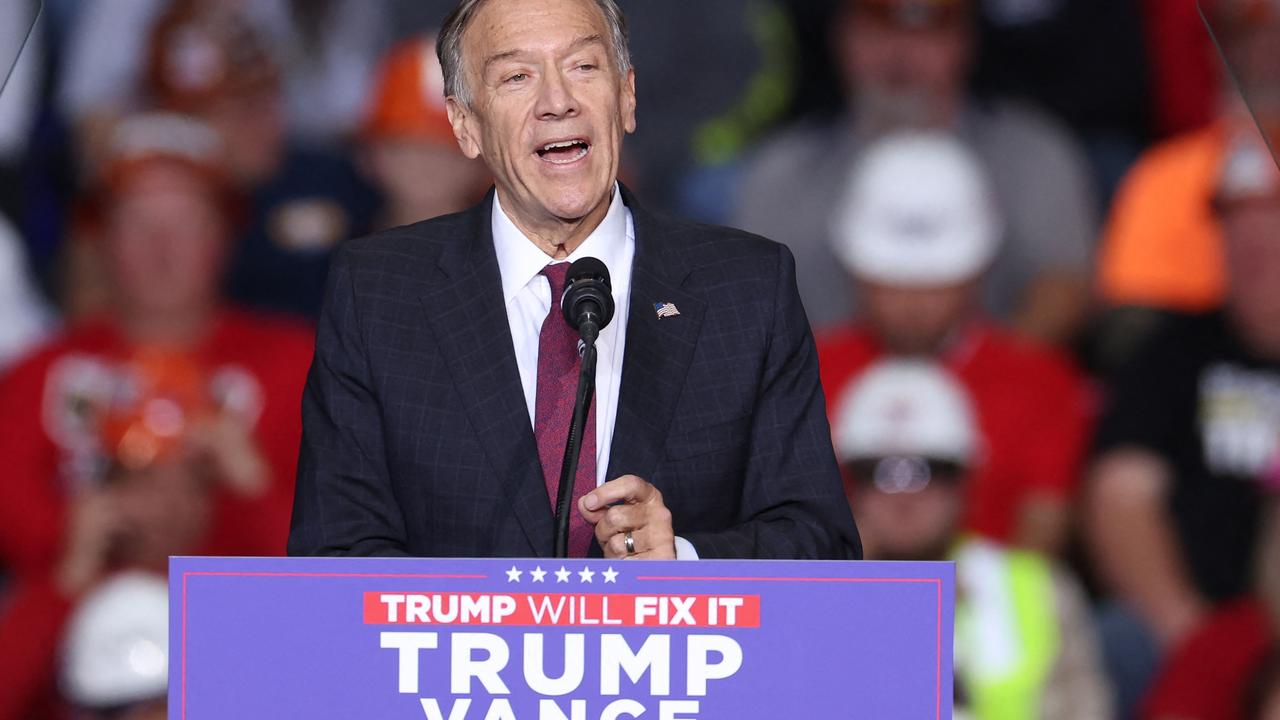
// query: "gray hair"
[[449, 44]]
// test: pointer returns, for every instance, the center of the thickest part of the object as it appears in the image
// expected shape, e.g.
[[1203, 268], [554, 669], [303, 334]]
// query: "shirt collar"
[[520, 261]]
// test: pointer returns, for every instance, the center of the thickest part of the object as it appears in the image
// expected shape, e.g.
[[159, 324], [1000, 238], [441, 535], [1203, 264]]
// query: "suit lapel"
[[658, 350], [469, 320]]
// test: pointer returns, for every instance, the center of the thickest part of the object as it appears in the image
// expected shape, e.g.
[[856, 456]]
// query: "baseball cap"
[[203, 50], [115, 652], [408, 100], [138, 140], [906, 407], [915, 14], [918, 210]]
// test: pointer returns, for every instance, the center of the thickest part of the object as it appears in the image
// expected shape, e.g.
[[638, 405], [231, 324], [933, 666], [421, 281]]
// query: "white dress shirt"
[[527, 295]]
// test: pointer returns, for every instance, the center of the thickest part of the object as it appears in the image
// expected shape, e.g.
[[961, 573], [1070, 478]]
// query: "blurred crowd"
[[1038, 242]]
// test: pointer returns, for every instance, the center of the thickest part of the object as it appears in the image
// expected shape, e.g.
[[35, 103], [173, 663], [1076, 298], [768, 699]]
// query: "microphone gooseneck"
[[588, 307]]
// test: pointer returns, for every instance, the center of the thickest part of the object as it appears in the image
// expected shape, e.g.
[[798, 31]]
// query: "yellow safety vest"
[[1007, 635]]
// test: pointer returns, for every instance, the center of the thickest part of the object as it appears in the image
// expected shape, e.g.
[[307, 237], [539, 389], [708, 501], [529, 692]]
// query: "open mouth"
[[564, 152]]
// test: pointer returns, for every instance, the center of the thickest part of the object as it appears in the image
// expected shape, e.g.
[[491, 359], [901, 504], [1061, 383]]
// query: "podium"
[[542, 639]]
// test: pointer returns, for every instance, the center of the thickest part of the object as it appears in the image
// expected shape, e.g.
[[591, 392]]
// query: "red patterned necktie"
[[558, 367]]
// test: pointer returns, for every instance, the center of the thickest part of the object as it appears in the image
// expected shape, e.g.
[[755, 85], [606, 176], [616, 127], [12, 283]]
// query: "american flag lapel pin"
[[665, 310]]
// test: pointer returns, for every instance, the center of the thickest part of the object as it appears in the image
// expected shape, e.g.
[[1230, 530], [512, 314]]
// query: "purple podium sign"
[[383, 639]]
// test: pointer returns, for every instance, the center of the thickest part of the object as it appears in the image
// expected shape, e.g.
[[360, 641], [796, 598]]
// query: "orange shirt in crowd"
[[1162, 247], [1033, 408]]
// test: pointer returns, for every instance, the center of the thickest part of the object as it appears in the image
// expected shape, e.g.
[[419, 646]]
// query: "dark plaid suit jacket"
[[417, 439]]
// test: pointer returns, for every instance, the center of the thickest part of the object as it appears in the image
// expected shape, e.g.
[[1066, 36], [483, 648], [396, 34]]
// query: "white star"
[[537, 574], [586, 575], [562, 575], [513, 575], [610, 575]]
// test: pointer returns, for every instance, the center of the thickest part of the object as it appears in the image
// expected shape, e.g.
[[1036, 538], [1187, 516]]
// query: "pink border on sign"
[[916, 581], [436, 576]]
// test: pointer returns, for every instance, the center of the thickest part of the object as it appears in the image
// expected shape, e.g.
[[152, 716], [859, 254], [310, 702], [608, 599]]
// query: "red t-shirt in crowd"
[[1033, 407], [1208, 674], [48, 447]]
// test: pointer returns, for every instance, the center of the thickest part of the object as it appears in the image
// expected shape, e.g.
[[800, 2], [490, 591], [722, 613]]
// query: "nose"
[[556, 100]]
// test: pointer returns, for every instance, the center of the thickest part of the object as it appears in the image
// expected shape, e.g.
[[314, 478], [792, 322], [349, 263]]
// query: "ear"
[[629, 101], [465, 128]]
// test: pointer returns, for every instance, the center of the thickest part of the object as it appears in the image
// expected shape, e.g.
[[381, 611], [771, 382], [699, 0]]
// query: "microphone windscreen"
[[588, 268], [588, 294]]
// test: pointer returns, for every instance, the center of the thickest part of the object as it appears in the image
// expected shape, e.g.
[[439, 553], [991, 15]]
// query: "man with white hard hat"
[[907, 437], [905, 64], [917, 231], [115, 661]]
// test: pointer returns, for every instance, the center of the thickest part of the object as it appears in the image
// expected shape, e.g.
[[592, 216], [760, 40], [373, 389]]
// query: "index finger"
[[627, 489]]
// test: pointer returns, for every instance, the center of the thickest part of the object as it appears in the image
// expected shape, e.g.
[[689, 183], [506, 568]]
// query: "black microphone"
[[587, 305], [588, 298]]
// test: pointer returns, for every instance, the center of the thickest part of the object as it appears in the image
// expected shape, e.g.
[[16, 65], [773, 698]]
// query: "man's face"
[[423, 180], [903, 76], [549, 109], [165, 241], [253, 126], [150, 711], [908, 526], [1252, 231], [915, 321]]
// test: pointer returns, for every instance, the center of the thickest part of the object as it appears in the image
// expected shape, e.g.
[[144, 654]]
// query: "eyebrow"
[[575, 46]]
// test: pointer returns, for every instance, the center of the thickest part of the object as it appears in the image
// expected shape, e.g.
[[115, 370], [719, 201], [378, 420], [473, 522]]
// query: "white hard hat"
[[906, 408], [918, 211], [116, 650]]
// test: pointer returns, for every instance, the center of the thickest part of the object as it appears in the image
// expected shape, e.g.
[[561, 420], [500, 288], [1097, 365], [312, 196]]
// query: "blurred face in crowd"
[[423, 180], [915, 320], [918, 525], [903, 76], [251, 121], [1252, 231], [549, 111], [149, 711], [166, 239], [154, 711]]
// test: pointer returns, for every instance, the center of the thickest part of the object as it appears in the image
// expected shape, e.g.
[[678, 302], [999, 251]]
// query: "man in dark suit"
[[436, 409]]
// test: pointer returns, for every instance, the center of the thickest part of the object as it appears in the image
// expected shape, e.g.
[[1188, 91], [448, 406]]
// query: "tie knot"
[[557, 273]]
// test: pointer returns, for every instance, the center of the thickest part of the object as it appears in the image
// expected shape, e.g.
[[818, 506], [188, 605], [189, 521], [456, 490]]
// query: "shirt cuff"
[[685, 550]]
